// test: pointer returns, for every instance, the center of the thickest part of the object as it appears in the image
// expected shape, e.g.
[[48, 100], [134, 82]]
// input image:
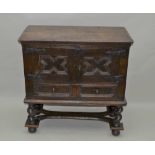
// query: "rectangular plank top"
[[75, 34]]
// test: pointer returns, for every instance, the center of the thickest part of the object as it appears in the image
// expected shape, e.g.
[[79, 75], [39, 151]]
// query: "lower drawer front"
[[106, 91], [98, 91], [53, 90]]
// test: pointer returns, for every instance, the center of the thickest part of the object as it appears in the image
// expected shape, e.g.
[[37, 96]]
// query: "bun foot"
[[115, 132], [32, 130]]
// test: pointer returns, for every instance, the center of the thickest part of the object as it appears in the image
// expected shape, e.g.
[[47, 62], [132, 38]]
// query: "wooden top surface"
[[76, 34]]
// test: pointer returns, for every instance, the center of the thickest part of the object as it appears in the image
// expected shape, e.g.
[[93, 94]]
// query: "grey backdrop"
[[140, 93]]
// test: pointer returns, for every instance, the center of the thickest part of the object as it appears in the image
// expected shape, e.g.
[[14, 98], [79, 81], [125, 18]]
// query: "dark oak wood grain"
[[75, 66], [75, 34]]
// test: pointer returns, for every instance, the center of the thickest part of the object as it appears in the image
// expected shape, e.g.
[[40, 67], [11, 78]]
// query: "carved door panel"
[[52, 80], [49, 77], [101, 71], [100, 66], [53, 67]]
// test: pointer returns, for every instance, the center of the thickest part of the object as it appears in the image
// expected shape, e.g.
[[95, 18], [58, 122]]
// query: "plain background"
[[138, 116]]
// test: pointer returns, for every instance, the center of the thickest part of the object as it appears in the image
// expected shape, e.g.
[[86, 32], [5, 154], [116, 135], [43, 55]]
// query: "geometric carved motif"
[[53, 64], [96, 65]]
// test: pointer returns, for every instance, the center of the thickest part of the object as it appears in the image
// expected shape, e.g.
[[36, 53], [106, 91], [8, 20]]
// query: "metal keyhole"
[[97, 91], [53, 89], [79, 67]]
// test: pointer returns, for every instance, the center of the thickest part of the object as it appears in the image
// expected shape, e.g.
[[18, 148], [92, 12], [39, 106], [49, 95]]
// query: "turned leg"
[[32, 121], [115, 114]]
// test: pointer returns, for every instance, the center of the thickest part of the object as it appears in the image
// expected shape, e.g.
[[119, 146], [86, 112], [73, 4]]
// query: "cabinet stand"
[[112, 115]]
